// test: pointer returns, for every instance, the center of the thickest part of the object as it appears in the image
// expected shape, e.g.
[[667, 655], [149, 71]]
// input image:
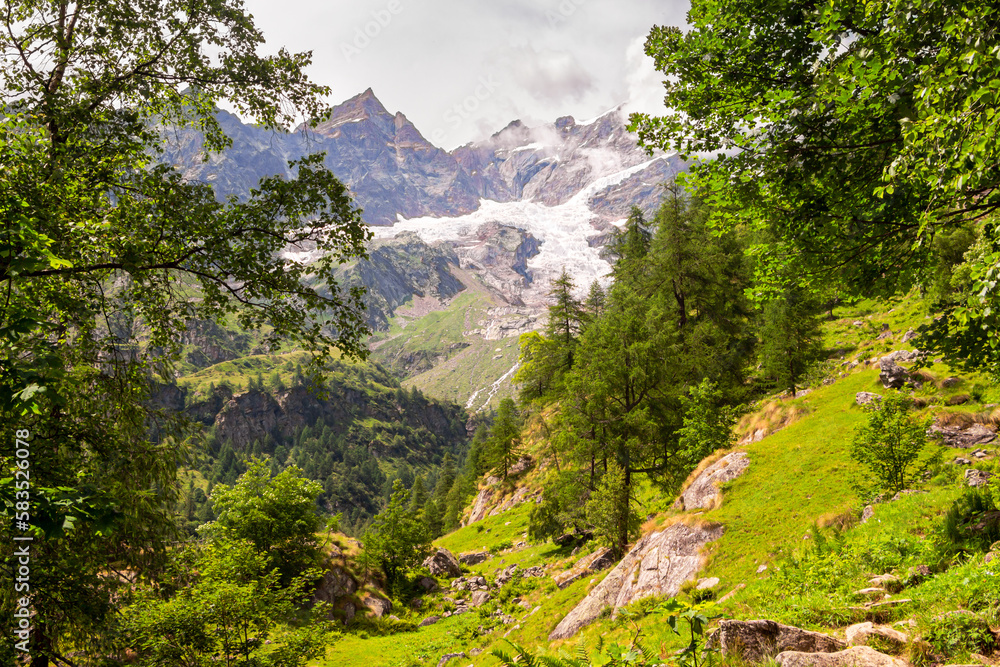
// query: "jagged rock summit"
[[394, 172]]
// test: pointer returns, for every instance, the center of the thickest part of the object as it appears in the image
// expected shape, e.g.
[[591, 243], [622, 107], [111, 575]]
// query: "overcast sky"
[[462, 69]]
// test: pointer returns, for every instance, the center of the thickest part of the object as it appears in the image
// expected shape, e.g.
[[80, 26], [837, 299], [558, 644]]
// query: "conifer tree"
[[505, 438], [565, 318], [791, 340]]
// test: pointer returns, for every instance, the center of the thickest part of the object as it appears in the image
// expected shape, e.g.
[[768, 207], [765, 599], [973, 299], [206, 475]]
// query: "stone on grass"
[[479, 598], [856, 656], [866, 397], [889, 582], [705, 584], [473, 557], [378, 606], [872, 593], [448, 656], [754, 641], [443, 562], [427, 584], [704, 490], [657, 565], [977, 478], [430, 620], [861, 634]]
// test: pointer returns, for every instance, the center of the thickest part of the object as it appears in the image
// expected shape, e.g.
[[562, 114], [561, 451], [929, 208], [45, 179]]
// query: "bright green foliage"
[[708, 424], [635, 654], [397, 540], [630, 247], [505, 438], [565, 317], [418, 494], [540, 370], [546, 359], [225, 607], [673, 317], [106, 255], [695, 653], [855, 132], [277, 515], [562, 508], [610, 511], [791, 339], [889, 444]]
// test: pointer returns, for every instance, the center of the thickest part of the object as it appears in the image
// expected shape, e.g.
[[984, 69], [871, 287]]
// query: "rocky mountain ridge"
[[395, 173]]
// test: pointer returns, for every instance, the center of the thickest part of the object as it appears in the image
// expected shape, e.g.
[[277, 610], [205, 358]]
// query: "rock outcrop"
[[964, 438], [336, 584], [473, 557], [443, 563], [857, 656], [704, 490], [657, 565], [754, 641], [977, 478], [860, 634], [481, 505], [378, 606]]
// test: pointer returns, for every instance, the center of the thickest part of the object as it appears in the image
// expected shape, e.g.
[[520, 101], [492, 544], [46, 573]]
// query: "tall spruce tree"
[[505, 438], [791, 339]]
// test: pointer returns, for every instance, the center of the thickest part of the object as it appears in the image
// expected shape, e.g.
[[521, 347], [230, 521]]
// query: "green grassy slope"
[[793, 511]]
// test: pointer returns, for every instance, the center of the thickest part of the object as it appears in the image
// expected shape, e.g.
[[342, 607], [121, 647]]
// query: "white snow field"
[[562, 230]]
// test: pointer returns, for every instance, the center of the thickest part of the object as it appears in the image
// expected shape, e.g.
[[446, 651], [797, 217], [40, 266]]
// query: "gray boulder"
[[336, 584], [866, 397], [473, 557], [860, 634], [443, 562], [977, 478], [428, 584], [480, 507], [479, 598], [754, 641], [378, 606], [892, 375], [857, 656], [448, 656], [430, 620], [964, 438]]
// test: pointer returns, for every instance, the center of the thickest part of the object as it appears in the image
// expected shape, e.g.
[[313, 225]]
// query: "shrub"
[[960, 633], [889, 445]]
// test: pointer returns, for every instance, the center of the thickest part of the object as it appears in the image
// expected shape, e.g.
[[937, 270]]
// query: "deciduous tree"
[[106, 253]]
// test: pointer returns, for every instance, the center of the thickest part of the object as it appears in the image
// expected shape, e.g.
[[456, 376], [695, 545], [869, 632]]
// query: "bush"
[[960, 633], [889, 445]]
